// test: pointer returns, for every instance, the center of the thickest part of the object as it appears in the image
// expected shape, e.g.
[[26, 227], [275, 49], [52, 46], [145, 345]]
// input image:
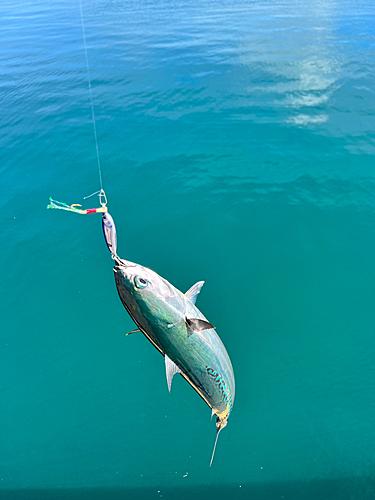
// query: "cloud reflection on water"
[[299, 63]]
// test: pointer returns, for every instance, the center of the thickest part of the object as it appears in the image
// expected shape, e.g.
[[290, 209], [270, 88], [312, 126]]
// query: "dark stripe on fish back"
[[219, 381]]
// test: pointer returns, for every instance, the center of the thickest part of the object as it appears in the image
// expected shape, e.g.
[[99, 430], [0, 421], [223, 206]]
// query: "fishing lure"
[[109, 231], [59, 205]]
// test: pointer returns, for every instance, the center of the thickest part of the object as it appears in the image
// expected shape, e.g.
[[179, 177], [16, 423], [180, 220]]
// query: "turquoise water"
[[237, 147]]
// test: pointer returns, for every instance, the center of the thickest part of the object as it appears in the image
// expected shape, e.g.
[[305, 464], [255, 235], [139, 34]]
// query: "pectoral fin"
[[195, 325], [193, 292], [171, 369]]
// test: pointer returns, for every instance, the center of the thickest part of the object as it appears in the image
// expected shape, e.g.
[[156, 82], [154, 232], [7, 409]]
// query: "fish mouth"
[[121, 263]]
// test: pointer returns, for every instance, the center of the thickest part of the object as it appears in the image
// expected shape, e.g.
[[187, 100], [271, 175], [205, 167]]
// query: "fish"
[[170, 320]]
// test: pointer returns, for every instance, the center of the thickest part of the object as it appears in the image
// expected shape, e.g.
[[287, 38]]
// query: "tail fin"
[[217, 435]]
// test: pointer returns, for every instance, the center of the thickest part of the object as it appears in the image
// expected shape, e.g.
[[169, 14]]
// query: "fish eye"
[[140, 282]]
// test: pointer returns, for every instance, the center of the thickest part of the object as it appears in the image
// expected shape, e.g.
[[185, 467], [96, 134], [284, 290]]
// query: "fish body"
[[178, 329]]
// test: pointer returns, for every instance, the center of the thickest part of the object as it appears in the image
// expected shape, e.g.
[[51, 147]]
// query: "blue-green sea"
[[237, 146]]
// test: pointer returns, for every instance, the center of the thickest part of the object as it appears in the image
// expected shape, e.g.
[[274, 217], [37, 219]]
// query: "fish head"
[[148, 297]]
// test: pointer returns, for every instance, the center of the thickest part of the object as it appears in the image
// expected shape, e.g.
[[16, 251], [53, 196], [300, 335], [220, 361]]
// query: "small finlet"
[[133, 331], [193, 292], [196, 325], [170, 369]]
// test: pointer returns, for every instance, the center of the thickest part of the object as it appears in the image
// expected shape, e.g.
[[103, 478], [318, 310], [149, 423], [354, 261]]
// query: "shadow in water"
[[338, 489]]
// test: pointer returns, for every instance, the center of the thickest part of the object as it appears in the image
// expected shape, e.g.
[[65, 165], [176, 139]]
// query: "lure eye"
[[140, 282]]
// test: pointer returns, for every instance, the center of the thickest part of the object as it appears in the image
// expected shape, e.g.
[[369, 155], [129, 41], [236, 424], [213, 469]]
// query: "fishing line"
[[90, 92], [102, 196]]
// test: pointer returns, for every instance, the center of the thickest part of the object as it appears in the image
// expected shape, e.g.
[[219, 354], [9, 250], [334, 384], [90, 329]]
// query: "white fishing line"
[[90, 92]]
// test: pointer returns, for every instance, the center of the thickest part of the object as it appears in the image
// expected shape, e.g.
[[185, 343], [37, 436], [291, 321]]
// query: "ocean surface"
[[237, 146]]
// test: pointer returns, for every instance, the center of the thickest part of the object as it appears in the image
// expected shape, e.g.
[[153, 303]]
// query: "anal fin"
[[170, 369]]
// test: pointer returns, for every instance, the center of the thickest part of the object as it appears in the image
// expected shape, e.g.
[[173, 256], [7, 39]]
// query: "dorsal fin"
[[170, 369], [193, 292]]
